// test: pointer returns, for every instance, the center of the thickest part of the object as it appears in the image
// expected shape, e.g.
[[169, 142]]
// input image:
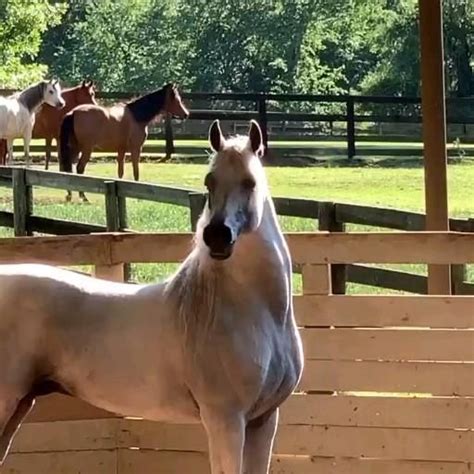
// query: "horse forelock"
[[237, 156]]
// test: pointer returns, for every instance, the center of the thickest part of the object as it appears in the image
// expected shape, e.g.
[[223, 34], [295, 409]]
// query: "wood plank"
[[58, 250], [66, 436], [74, 182], [387, 344], [47, 225], [63, 462], [385, 311], [145, 461], [392, 247], [154, 192], [385, 278], [391, 412], [125, 461], [384, 443], [396, 412], [151, 248], [449, 379], [313, 465], [64, 408], [307, 248]]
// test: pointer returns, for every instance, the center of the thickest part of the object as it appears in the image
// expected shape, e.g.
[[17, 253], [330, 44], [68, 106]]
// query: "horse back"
[[101, 128]]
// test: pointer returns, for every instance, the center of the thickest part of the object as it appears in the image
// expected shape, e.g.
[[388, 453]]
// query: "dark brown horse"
[[48, 119], [121, 128]]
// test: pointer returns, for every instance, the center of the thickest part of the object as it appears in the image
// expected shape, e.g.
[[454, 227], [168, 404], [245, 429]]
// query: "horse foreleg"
[[48, 143], [259, 436], [81, 167], [136, 162], [226, 437], [26, 145], [10, 422]]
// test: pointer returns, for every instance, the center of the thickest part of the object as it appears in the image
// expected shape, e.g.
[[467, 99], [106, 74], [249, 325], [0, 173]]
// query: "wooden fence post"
[[327, 222], [22, 203], [169, 146], [114, 272], [111, 207], [197, 201], [351, 146], [122, 212], [263, 121]]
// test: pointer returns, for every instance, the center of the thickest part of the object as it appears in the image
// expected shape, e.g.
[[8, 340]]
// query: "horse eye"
[[248, 184], [210, 181], [50, 92]]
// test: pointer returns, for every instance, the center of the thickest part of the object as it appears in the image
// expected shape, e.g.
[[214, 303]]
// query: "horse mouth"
[[221, 254]]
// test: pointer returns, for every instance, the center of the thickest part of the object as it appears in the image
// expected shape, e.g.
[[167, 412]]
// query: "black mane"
[[146, 108]]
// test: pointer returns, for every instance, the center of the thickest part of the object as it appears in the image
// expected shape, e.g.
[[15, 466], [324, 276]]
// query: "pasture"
[[397, 187]]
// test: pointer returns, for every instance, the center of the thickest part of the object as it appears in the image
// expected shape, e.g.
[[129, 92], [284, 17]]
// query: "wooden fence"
[[388, 386], [327, 216], [259, 106]]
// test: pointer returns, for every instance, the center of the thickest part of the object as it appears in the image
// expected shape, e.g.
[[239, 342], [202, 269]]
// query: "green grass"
[[401, 188]]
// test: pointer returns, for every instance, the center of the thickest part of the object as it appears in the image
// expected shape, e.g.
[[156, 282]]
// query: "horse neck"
[[146, 108], [259, 270], [32, 98]]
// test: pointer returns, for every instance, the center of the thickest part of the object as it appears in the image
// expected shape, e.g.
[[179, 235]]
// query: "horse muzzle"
[[60, 104], [219, 239]]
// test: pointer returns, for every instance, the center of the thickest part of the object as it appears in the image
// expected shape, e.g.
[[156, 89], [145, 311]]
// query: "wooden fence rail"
[[261, 111], [328, 216]]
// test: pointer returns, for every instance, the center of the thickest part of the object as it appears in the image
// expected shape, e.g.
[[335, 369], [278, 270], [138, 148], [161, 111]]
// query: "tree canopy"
[[307, 46]]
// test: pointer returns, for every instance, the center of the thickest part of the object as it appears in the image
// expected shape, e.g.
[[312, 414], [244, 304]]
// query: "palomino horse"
[[17, 113], [216, 343], [121, 128], [48, 119]]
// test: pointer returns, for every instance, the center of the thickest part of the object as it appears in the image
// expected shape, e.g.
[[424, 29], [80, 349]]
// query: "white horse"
[[217, 343], [17, 113]]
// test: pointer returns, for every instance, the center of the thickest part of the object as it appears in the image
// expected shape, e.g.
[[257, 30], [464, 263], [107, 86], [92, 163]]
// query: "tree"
[[122, 44], [22, 24], [459, 46]]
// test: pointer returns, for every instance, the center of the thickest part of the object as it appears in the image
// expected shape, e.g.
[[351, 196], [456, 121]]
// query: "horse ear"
[[83, 83], [215, 136], [256, 138]]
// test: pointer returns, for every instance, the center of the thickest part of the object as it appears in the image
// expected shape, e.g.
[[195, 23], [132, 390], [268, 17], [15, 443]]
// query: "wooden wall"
[[388, 386]]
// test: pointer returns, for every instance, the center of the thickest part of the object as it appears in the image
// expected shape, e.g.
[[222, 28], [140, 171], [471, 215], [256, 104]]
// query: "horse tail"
[[66, 141]]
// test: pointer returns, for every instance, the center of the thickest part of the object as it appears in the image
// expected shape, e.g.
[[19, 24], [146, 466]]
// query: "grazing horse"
[[48, 119], [17, 113], [121, 128], [216, 343]]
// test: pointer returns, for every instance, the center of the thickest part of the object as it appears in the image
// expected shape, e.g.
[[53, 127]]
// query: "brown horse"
[[121, 128], [48, 119]]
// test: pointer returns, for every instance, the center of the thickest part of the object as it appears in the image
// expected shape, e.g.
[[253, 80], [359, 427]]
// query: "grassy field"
[[395, 187]]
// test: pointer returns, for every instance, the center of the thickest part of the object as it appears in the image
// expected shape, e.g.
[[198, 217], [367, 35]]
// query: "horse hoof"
[[68, 198]]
